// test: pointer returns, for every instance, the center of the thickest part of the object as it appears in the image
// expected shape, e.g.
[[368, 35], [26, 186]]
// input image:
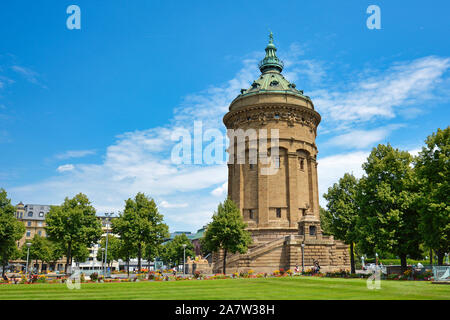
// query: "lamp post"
[[103, 255], [108, 217], [184, 258], [376, 259], [28, 255], [303, 257], [362, 262]]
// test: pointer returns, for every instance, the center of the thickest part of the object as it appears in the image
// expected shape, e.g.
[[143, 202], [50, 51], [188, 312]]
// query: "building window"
[[21, 215], [302, 164], [40, 224], [278, 212], [30, 213], [252, 166], [312, 230], [28, 233], [41, 214], [29, 223], [40, 233], [251, 213]]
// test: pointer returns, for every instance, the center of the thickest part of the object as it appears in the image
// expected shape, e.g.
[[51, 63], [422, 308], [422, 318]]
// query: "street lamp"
[[103, 255], [303, 257], [108, 217], [28, 255], [376, 259], [362, 262], [184, 258]]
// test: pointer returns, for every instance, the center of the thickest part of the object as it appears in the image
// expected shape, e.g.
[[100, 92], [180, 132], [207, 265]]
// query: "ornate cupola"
[[271, 61]]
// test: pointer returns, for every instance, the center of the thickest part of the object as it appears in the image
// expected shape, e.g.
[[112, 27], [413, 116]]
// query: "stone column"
[[263, 197], [292, 192], [315, 187]]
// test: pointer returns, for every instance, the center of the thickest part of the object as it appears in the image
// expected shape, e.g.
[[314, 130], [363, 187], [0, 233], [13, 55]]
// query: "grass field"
[[253, 289]]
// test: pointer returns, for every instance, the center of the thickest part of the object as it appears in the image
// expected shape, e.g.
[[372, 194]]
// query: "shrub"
[[197, 275]]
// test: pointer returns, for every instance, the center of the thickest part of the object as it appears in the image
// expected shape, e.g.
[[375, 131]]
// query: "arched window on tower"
[[312, 230], [302, 164]]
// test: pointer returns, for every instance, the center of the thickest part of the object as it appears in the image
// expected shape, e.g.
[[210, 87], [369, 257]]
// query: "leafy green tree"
[[227, 231], [80, 252], [40, 250], [126, 251], [74, 225], [141, 224], [152, 251], [11, 231], [432, 167], [113, 249], [387, 198], [325, 221], [342, 213], [174, 251]]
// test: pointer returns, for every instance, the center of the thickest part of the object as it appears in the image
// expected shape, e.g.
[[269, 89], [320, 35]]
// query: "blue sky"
[[92, 110]]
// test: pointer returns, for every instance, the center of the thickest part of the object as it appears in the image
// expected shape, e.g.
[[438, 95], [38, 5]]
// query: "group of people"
[[315, 269]]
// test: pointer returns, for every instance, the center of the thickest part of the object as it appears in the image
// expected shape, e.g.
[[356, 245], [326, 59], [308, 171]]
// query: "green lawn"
[[271, 288]]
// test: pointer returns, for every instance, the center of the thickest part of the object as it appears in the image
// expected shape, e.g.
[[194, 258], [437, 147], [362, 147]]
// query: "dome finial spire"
[[271, 61], [270, 37]]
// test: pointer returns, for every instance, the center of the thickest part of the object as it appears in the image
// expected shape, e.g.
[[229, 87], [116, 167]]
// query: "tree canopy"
[[432, 166], [227, 231], [11, 230], [74, 225], [387, 198], [141, 224], [342, 214]]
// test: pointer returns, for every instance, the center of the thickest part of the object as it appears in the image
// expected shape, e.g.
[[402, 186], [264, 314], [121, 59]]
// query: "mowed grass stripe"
[[235, 289]]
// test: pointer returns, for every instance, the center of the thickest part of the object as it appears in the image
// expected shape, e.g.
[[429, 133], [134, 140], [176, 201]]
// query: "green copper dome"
[[271, 61], [271, 79]]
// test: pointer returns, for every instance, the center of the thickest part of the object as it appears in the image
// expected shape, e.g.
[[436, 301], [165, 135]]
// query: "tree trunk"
[[431, 256], [352, 259], [139, 257], [440, 254], [3, 269], [128, 267], [69, 253], [224, 261], [403, 262]]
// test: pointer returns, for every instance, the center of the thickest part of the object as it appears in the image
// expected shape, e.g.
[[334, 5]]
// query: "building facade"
[[280, 205]]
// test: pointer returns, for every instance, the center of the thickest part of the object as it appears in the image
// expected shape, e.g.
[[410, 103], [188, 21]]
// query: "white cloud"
[[359, 139], [74, 154], [165, 204], [65, 167], [383, 95], [28, 74], [221, 190]]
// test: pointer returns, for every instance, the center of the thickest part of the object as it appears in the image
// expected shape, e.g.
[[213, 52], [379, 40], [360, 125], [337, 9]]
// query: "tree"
[[74, 225], [174, 251], [11, 231], [325, 221], [126, 251], [227, 231], [432, 167], [113, 249], [40, 250], [141, 224], [387, 198], [342, 213]]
